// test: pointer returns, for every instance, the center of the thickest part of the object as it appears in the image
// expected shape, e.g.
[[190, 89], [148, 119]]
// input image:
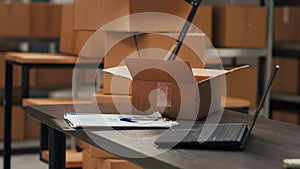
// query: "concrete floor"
[[28, 161]]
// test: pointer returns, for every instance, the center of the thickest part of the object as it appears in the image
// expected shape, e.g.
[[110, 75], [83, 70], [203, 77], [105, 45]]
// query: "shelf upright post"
[[270, 13]]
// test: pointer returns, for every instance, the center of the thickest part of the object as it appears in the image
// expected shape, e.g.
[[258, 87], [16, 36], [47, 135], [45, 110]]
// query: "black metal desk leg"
[[25, 82], [44, 136], [7, 115], [57, 149]]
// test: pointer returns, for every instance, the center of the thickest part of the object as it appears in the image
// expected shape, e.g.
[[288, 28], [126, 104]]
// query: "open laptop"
[[230, 136]]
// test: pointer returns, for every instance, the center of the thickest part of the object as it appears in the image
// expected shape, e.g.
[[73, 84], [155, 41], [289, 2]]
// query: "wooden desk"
[[28, 61], [269, 143]]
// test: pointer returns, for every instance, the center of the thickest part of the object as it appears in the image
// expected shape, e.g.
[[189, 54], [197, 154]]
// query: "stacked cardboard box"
[[288, 78], [292, 117], [29, 19], [95, 158], [286, 24], [240, 26]]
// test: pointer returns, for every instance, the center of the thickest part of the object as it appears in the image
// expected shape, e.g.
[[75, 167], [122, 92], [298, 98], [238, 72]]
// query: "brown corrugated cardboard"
[[286, 116], [45, 20], [98, 153], [80, 38], [18, 118], [285, 23], [91, 163], [148, 78], [94, 14], [66, 31], [154, 46], [288, 78], [14, 19], [118, 164], [53, 78], [243, 84], [32, 129], [240, 26], [30, 20]]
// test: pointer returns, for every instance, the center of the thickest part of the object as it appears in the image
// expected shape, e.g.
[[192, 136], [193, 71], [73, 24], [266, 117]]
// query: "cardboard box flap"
[[160, 70]]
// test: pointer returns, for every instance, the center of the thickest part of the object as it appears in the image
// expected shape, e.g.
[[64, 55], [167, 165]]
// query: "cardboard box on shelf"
[[151, 46], [98, 153], [32, 129], [66, 31], [157, 90], [286, 116], [285, 23], [45, 20], [243, 84], [53, 78], [88, 162], [240, 26], [288, 78], [18, 118], [14, 19], [30, 19], [101, 98], [119, 164], [94, 14]]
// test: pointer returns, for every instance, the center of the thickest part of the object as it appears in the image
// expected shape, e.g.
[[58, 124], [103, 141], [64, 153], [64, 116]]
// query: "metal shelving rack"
[[263, 55], [290, 50]]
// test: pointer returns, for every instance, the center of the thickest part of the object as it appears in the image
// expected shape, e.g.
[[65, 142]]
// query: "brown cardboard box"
[[30, 20], [288, 78], [240, 26], [94, 14], [156, 90], [152, 46], [17, 72], [18, 118], [83, 144], [90, 163], [53, 78], [98, 153], [285, 23], [80, 38], [67, 32], [101, 98], [45, 20], [118, 164], [243, 84], [14, 19], [32, 129], [287, 116]]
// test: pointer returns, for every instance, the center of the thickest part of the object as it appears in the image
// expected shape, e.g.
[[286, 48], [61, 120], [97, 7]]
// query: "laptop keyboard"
[[216, 133]]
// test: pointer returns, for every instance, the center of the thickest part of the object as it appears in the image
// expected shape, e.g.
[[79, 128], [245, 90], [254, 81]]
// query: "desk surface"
[[269, 143]]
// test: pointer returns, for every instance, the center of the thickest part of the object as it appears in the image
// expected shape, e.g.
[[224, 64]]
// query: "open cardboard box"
[[173, 88]]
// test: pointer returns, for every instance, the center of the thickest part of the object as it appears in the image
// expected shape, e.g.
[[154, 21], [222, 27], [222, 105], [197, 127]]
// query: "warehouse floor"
[[24, 161], [28, 161]]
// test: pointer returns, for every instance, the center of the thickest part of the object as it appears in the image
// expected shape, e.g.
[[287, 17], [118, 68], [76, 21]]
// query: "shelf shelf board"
[[290, 49], [291, 98], [286, 2], [238, 52]]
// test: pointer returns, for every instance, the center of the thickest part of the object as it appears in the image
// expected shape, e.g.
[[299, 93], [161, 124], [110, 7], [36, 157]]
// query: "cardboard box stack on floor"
[[95, 158]]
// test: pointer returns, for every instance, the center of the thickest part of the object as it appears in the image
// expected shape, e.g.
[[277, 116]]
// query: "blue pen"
[[127, 120]]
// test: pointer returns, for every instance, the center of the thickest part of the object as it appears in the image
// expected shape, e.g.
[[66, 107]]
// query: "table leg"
[[7, 115], [25, 82], [57, 149], [44, 136]]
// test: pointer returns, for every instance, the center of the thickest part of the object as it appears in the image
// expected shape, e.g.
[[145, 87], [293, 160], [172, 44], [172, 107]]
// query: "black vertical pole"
[[57, 149], [7, 114]]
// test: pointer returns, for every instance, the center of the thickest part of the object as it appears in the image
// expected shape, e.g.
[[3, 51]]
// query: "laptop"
[[227, 136]]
